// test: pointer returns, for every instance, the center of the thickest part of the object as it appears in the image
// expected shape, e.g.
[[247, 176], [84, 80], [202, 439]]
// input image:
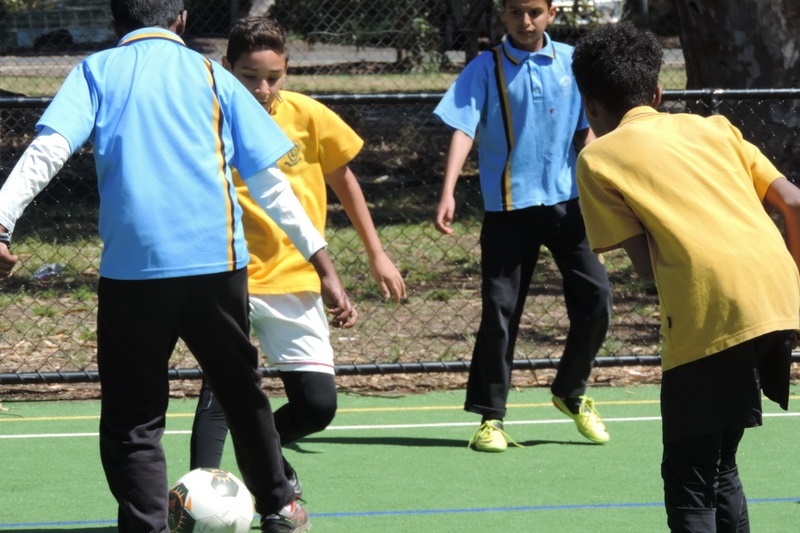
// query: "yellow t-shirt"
[[322, 143], [694, 187]]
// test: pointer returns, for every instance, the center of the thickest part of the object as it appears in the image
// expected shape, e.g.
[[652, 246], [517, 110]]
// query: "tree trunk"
[[250, 8], [748, 44], [738, 44]]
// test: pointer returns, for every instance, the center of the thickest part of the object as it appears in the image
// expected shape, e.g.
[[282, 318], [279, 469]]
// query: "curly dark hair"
[[618, 65]]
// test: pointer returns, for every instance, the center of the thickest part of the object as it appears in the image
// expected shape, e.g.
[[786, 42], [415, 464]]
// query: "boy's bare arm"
[[582, 138], [345, 186], [639, 252], [784, 197], [460, 146]]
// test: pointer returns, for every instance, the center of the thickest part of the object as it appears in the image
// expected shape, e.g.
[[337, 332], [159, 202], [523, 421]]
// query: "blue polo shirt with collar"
[[524, 117], [166, 125]]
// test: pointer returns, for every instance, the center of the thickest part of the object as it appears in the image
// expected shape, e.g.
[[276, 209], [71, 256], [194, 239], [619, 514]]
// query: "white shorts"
[[292, 330]]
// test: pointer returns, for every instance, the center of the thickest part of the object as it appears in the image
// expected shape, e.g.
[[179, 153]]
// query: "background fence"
[[374, 80]]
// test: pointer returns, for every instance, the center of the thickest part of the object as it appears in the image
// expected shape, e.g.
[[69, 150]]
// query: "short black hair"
[[618, 66], [253, 34], [136, 14]]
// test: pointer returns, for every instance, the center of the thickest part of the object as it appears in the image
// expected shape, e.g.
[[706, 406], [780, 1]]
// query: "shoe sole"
[[488, 450], [301, 529]]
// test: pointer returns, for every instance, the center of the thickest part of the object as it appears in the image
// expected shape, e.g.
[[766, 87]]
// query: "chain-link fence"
[[360, 58], [351, 46], [47, 331]]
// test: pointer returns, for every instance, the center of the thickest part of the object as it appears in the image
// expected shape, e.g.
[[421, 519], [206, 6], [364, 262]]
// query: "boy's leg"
[[509, 252], [700, 401], [209, 431], [587, 295], [310, 407], [732, 512], [135, 337], [692, 469], [292, 330], [216, 328]]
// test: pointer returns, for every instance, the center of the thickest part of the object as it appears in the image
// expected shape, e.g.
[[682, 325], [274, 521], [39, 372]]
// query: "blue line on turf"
[[570, 507], [48, 525], [351, 514]]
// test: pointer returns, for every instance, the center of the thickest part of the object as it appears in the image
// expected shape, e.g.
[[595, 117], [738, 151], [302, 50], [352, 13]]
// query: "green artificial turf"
[[402, 464]]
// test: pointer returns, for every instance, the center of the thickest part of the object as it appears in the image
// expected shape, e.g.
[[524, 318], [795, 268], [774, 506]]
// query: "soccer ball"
[[209, 500]]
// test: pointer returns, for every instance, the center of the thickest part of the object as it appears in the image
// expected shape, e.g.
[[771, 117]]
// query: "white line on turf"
[[389, 426]]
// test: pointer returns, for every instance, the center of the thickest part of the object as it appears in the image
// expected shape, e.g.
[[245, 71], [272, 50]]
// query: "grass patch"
[[32, 85], [369, 83], [38, 86]]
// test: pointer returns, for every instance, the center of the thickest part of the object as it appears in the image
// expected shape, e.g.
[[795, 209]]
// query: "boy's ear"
[[551, 14], [657, 97], [179, 26], [226, 63]]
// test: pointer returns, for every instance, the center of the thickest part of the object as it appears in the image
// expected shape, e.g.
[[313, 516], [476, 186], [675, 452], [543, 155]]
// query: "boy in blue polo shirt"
[[520, 100], [166, 126]]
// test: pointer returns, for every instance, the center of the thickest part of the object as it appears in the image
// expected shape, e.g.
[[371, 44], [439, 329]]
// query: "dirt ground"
[[373, 385]]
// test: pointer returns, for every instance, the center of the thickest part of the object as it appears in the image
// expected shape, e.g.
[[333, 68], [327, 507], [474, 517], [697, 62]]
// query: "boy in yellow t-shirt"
[[287, 313], [685, 196]]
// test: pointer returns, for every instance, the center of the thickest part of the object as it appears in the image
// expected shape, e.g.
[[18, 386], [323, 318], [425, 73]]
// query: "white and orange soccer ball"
[[209, 500]]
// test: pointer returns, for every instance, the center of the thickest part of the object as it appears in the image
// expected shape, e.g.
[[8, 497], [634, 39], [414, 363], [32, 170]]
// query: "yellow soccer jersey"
[[322, 143], [695, 188]]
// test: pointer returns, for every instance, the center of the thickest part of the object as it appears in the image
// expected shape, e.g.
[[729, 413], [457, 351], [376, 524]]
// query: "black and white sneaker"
[[293, 518]]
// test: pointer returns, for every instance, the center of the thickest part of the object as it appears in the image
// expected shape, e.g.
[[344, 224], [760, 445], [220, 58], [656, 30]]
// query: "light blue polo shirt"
[[166, 126], [524, 117]]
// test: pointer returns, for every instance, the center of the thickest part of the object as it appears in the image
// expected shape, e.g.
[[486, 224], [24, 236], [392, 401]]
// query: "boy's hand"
[[389, 280], [337, 303], [7, 262], [444, 214], [333, 294]]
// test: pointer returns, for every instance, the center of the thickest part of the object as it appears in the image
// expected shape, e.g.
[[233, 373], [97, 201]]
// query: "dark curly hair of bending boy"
[[618, 65]]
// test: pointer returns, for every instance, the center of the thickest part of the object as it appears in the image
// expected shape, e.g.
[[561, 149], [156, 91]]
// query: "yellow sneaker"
[[490, 437], [587, 420]]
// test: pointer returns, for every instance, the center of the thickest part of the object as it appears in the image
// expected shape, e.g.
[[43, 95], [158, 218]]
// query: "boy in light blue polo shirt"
[[167, 125], [520, 101], [200, 144]]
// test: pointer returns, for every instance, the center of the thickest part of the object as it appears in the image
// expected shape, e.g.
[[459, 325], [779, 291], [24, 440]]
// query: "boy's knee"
[[313, 413], [318, 414]]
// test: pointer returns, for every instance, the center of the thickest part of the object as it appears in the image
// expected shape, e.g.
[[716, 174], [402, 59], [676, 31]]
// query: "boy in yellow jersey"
[[685, 196], [519, 103], [286, 310]]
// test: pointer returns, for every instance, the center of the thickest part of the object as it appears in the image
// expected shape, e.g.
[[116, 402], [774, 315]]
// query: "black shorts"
[[723, 391]]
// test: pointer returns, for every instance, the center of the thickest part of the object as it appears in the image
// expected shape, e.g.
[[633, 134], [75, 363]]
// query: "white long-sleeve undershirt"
[[272, 191], [43, 158]]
